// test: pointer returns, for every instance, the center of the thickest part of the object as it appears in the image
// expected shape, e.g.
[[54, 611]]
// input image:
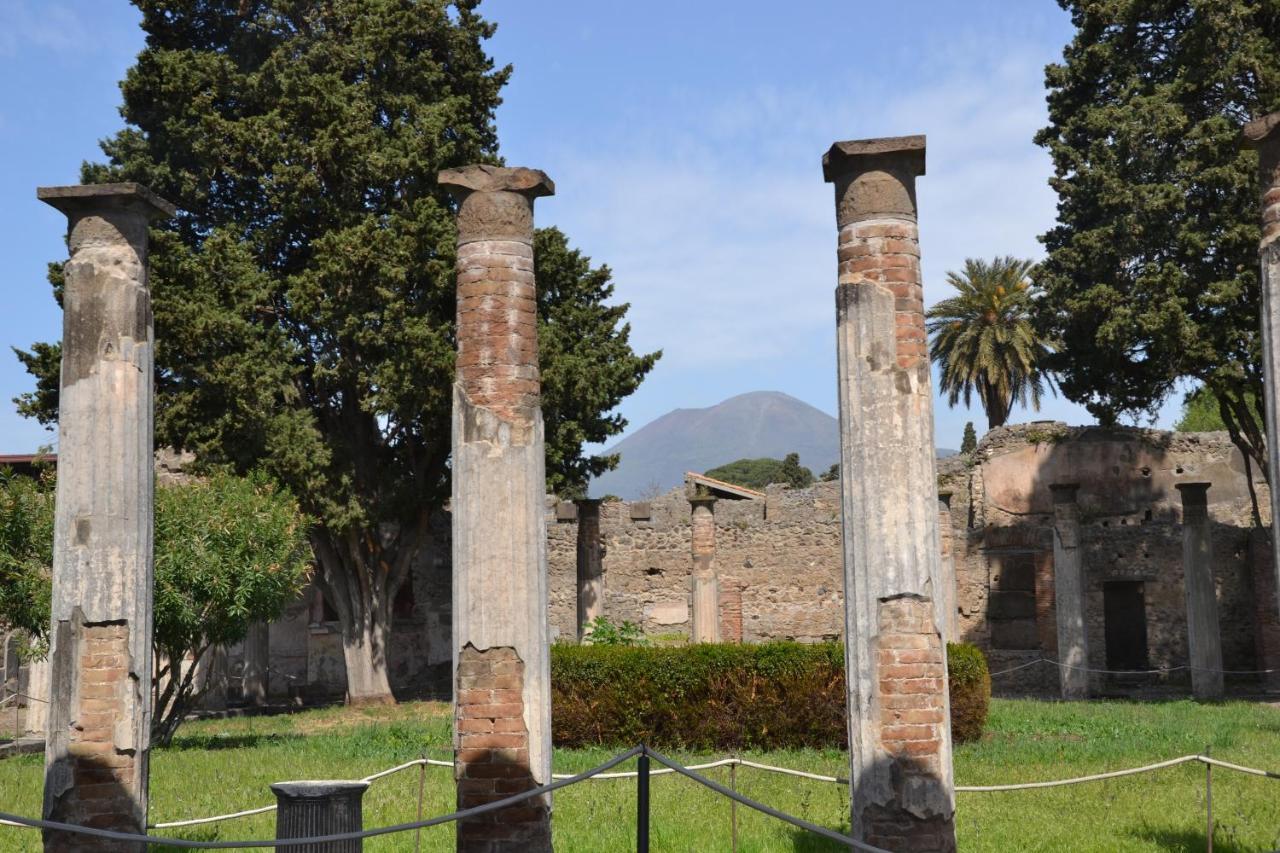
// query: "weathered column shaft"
[[1204, 637], [899, 737], [590, 565], [314, 809], [705, 584], [1069, 593], [256, 680], [947, 572], [1264, 135], [502, 699], [100, 657]]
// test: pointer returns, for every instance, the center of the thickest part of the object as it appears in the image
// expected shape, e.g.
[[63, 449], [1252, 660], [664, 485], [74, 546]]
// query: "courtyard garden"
[[219, 766]]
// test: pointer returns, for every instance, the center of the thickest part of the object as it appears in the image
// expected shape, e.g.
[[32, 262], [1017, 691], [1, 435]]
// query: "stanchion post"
[[642, 803], [733, 804], [1208, 803]]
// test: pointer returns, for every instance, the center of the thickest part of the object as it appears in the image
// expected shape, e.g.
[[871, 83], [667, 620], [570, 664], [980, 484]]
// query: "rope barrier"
[[1162, 671]]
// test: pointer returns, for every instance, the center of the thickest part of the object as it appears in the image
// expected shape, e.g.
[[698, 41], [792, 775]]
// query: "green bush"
[[724, 697], [970, 688]]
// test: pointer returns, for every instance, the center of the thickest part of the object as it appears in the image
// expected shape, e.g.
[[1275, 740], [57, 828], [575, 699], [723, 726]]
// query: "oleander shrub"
[[714, 697], [969, 681]]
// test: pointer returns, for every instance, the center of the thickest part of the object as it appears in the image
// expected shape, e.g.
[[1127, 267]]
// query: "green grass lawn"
[[226, 765]]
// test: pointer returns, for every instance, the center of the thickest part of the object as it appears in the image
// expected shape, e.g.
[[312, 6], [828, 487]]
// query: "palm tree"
[[983, 341]]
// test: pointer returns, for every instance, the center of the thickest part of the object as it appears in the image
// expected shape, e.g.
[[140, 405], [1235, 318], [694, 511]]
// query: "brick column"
[[1264, 135], [706, 586], [1069, 592], [590, 564], [888, 482], [502, 701], [947, 566], [1204, 638], [99, 724]]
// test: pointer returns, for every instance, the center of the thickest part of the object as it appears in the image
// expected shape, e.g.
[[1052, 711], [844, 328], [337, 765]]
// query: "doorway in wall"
[[1125, 618]]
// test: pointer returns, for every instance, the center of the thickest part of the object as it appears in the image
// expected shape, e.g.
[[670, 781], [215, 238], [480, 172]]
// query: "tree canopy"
[[304, 295], [758, 473], [983, 341], [1152, 270], [969, 442]]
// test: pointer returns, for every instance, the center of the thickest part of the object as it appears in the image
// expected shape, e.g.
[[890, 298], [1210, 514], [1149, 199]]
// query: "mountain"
[[761, 423]]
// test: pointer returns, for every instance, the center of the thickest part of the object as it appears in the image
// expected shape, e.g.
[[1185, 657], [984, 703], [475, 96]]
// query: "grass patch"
[[225, 765]]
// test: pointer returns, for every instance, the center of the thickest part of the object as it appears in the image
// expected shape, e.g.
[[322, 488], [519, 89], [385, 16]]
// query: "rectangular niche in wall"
[[1011, 609], [1124, 611]]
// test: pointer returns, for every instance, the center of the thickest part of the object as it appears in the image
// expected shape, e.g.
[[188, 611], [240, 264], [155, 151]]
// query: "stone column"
[[1069, 593], [1264, 135], [98, 738], [502, 699], [1204, 638], [590, 564], [947, 565], [37, 717], [256, 680], [705, 584], [899, 737]]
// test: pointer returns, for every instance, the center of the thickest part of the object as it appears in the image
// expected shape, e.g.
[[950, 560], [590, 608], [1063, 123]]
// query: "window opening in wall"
[[1125, 624]]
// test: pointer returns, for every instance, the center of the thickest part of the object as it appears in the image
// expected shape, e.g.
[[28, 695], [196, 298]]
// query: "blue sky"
[[685, 141]]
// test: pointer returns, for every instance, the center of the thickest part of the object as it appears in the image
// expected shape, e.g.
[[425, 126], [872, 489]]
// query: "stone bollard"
[[99, 721], [502, 686], [313, 809], [899, 740]]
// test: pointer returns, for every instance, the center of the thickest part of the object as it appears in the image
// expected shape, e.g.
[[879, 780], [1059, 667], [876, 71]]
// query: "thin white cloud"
[[34, 26]]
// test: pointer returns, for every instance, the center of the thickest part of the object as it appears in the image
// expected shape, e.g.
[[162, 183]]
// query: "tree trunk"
[[359, 576]]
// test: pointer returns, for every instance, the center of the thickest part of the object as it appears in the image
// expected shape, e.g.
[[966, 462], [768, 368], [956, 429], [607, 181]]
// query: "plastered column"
[[1264, 135], [947, 565], [1069, 592], [1204, 638], [98, 741], [705, 584], [899, 737], [255, 683], [502, 698], [590, 553]]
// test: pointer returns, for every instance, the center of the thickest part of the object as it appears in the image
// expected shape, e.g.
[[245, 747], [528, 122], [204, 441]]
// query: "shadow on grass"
[[206, 743], [1187, 840], [803, 841], [185, 835]]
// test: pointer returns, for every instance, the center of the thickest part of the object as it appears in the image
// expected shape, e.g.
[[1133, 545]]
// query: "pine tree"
[[969, 443], [304, 296]]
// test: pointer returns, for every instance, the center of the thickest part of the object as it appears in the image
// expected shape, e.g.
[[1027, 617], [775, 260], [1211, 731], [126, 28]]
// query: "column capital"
[[495, 202], [130, 197], [1194, 493], [709, 501], [1064, 493], [875, 178]]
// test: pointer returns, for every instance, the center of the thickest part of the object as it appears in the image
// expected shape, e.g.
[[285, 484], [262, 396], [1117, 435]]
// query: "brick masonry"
[[491, 748], [887, 252], [730, 610], [913, 729]]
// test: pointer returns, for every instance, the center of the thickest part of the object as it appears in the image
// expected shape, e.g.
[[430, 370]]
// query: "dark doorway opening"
[[1125, 616]]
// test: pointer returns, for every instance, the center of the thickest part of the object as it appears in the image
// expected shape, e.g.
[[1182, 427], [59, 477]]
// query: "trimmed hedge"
[[711, 697], [969, 683]]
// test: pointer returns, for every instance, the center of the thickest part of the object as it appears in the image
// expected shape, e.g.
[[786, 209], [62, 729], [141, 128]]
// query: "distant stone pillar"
[[1069, 593], [37, 717], [502, 698], [100, 657], [947, 566], [212, 678], [590, 565], [706, 586], [1204, 637], [256, 680], [314, 809], [1264, 135], [899, 738]]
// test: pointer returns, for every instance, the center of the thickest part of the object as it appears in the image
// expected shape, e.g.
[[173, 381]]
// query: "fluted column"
[[502, 700], [705, 585], [899, 734], [99, 735], [1069, 593], [1264, 135], [1204, 637]]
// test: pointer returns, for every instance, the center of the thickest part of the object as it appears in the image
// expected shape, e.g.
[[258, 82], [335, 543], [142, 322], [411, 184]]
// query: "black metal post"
[[642, 803]]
